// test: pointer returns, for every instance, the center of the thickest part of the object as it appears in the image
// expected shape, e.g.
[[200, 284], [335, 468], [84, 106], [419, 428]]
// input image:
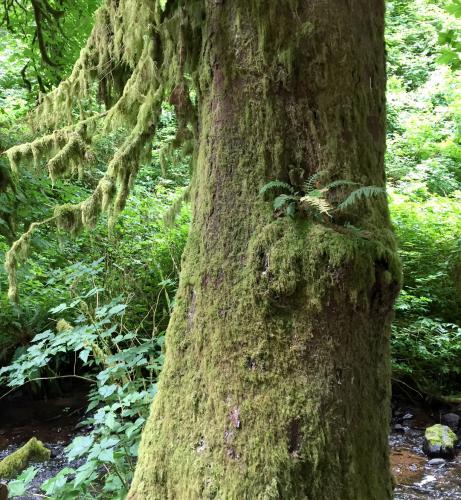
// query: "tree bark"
[[276, 382]]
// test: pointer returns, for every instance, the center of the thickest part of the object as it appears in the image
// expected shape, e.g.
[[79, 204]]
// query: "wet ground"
[[54, 422], [416, 476]]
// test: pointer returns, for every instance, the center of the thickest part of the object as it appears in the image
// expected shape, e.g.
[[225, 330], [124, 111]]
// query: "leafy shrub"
[[427, 353], [121, 365], [426, 341]]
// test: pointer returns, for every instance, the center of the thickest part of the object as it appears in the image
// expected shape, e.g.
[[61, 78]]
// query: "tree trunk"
[[276, 381]]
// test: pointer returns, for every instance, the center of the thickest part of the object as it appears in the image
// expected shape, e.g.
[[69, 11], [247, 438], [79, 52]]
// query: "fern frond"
[[316, 193], [282, 200], [291, 209], [309, 185], [365, 192], [340, 183], [272, 185], [318, 203]]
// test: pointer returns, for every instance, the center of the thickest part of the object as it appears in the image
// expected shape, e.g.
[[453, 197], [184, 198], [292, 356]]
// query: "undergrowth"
[[121, 366]]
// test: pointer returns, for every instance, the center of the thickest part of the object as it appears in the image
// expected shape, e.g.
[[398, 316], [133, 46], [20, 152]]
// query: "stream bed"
[[54, 422], [416, 476]]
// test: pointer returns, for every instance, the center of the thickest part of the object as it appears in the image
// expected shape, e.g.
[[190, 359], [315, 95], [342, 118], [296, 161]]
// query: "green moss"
[[32, 451], [69, 217], [289, 254], [17, 254], [440, 435]]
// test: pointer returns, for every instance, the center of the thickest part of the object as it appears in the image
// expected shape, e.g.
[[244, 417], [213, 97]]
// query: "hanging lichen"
[[18, 253], [135, 59]]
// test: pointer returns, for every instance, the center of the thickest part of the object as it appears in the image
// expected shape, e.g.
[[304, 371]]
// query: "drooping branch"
[[140, 51]]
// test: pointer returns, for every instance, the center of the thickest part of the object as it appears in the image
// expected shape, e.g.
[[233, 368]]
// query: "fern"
[[309, 185], [291, 209], [365, 192], [340, 183], [283, 199], [273, 185], [314, 200], [318, 203]]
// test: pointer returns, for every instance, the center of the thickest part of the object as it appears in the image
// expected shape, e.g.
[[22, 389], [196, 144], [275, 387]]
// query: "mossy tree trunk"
[[276, 381]]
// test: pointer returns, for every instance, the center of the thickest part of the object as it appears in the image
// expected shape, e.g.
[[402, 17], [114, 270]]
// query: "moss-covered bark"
[[276, 382]]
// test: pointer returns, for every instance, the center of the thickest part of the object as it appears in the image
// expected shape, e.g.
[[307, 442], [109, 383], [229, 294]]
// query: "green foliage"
[[276, 185], [51, 35], [117, 345], [148, 279], [420, 34], [450, 38], [427, 352], [140, 231], [423, 158], [18, 487], [426, 338], [121, 364], [362, 193], [430, 247]]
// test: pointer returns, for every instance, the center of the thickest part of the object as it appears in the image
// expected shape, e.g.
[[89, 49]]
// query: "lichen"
[[32, 451]]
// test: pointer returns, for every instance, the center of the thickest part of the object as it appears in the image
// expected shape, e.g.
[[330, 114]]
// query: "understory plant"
[[120, 366], [316, 200], [426, 341]]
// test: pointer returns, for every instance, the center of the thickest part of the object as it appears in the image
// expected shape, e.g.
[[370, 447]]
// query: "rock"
[[439, 442], [407, 416], [426, 480], [451, 419], [399, 428], [436, 461]]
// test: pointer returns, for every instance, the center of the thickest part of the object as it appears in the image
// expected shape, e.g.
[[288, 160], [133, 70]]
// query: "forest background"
[[94, 306]]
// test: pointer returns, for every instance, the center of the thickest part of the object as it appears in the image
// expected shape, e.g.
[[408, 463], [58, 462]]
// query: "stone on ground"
[[439, 442]]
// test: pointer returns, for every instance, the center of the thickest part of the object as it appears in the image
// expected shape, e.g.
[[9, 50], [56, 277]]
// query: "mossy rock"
[[439, 441], [32, 451]]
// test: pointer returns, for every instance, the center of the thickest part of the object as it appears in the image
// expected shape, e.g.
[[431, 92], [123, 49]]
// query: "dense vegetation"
[[423, 168], [94, 307]]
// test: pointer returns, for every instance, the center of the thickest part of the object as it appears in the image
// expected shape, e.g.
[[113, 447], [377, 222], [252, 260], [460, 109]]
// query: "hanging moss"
[[17, 254], [32, 451], [140, 66]]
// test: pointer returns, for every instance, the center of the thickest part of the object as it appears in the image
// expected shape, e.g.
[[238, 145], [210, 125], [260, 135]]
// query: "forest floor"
[[55, 423]]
